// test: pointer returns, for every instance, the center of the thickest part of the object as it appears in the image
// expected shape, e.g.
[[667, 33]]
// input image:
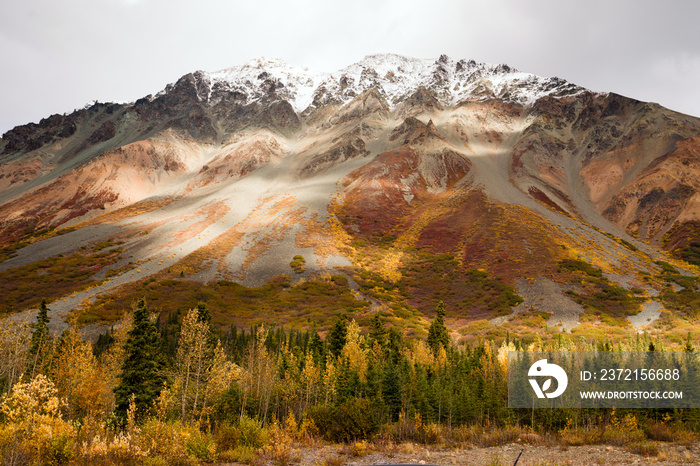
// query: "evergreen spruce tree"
[[437, 333], [376, 330], [337, 336], [203, 312], [373, 380], [394, 345], [391, 391], [204, 316], [41, 340], [41, 330], [316, 346], [143, 368], [347, 383], [689, 343]]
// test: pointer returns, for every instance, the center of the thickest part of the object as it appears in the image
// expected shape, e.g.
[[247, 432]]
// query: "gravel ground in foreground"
[[669, 454]]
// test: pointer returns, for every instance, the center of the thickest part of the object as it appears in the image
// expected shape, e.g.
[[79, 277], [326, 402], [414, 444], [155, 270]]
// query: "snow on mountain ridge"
[[298, 83], [395, 76]]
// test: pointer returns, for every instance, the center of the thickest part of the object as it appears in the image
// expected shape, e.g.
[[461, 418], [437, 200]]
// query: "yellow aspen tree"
[[264, 373], [486, 363], [32, 413], [421, 354], [289, 390], [202, 371], [440, 360], [353, 352], [258, 377], [377, 352], [309, 378], [503, 353], [190, 361], [15, 339], [79, 380], [220, 374], [329, 379]]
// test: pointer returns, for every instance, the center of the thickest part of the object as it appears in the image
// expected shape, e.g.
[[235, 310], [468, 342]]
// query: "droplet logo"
[[542, 369]]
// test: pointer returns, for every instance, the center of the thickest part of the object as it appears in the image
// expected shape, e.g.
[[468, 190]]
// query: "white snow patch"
[[396, 77]]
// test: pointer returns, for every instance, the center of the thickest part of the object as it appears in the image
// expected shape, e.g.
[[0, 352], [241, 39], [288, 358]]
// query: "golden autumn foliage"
[[289, 393], [15, 339], [201, 370], [34, 428], [79, 380], [354, 352]]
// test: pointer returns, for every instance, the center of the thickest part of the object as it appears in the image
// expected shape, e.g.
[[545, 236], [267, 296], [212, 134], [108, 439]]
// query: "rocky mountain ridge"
[[367, 173]]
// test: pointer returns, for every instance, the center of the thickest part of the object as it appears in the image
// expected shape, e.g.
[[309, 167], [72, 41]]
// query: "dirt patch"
[[542, 294], [650, 312]]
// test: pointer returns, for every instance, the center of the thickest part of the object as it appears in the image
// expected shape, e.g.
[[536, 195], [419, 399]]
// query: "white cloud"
[[677, 66]]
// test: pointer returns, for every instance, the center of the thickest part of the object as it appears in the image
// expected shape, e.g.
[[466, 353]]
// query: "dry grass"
[[580, 436], [644, 448], [334, 461], [25, 286], [276, 302], [130, 211], [499, 436]]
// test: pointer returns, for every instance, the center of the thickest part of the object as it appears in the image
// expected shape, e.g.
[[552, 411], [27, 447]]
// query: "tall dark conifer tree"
[[337, 336], [143, 368], [41, 341], [437, 333], [377, 332], [316, 346]]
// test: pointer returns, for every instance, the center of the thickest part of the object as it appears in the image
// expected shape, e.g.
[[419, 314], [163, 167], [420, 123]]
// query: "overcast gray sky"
[[58, 55]]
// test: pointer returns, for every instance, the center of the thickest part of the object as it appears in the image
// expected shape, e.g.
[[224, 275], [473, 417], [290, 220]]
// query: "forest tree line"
[[69, 400]]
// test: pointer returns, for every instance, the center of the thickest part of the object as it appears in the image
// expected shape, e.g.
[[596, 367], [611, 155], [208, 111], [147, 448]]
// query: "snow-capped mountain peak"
[[262, 76], [451, 80], [223, 175], [394, 76]]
